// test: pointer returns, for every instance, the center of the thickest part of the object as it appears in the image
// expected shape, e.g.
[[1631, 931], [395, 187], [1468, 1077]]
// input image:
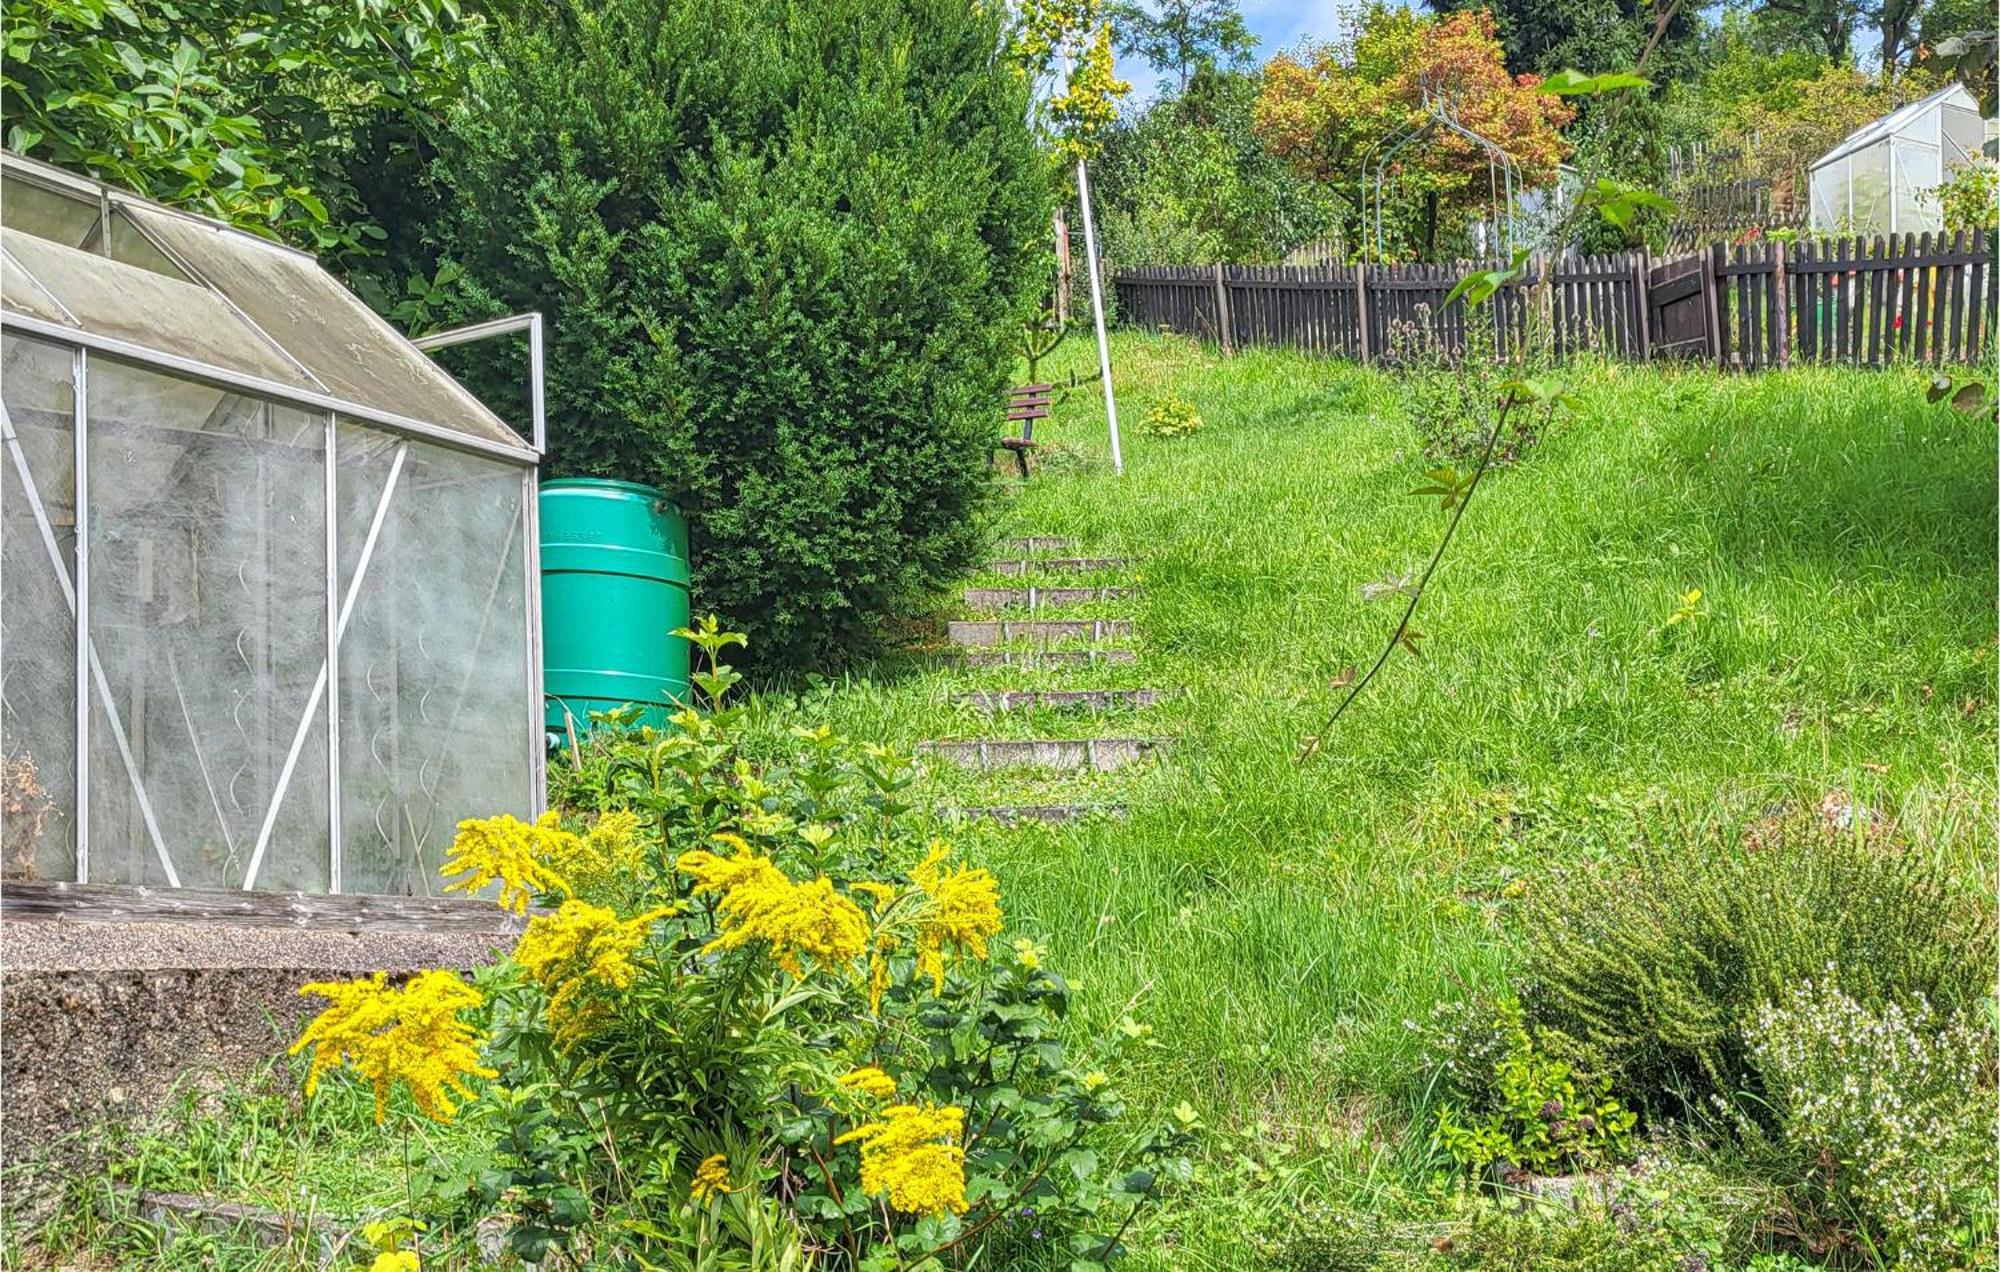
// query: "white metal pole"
[[1097, 312]]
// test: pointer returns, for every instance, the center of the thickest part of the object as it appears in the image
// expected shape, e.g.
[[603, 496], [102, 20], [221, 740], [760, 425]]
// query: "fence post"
[[1781, 308], [1361, 312], [1222, 324], [1711, 301], [1642, 304]]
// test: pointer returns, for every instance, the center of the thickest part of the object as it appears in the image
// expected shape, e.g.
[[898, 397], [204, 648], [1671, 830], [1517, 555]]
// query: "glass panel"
[[45, 213], [150, 310], [208, 616], [130, 247], [1868, 188], [37, 621], [351, 350], [434, 677]]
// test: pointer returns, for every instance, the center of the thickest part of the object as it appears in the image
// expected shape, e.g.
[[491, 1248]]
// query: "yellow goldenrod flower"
[[961, 910], [911, 1157], [580, 946], [396, 1261], [385, 1032], [880, 895], [604, 858], [871, 1082], [759, 903], [509, 850], [711, 1178]]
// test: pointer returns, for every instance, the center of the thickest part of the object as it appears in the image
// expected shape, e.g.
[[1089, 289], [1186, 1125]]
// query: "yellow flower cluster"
[[388, 1032], [579, 946], [396, 1261], [711, 1178], [603, 859], [509, 850], [760, 903], [962, 909], [911, 1156], [871, 1082]]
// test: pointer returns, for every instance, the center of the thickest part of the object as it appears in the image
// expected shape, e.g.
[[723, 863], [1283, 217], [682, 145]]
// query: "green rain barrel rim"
[[603, 483]]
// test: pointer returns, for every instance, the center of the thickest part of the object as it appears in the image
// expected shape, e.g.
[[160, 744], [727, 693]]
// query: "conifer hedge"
[[783, 248]]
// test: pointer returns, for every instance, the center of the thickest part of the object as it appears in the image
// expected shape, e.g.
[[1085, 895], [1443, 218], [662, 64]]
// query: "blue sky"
[[1277, 24]]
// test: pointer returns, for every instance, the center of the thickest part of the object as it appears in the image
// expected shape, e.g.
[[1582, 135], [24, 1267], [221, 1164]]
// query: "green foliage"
[[1171, 416], [1884, 1126], [721, 1047], [1538, 1113], [1969, 199], [1451, 395], [1655, 964], [783, 274], [1188, 180], [251, 113]]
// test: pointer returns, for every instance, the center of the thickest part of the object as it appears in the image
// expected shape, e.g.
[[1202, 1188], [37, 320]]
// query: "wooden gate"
[[1680, 303]]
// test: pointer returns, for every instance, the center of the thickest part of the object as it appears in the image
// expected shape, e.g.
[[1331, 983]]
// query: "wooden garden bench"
[[1026, 403]]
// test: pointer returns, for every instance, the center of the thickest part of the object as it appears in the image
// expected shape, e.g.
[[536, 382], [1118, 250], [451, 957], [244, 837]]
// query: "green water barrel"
[[614, 585]]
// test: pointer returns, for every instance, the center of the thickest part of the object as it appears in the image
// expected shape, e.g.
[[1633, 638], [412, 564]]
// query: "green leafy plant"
[[1540, 1115], [1171, 417], [1654, 963], [253, 113], [758, 1013]]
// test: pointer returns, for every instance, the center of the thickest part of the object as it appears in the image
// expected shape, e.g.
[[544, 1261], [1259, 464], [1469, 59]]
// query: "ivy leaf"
[[1575, 83], [1619, 202]]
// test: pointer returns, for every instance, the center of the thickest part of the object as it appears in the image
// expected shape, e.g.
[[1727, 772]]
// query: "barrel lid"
[[603, 483]]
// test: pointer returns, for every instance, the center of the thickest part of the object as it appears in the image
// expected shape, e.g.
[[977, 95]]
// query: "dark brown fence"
[[1869, 302]]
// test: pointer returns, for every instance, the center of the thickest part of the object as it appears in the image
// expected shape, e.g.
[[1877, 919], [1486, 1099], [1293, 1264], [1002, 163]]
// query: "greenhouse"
[[268, 611], [1877, 181]]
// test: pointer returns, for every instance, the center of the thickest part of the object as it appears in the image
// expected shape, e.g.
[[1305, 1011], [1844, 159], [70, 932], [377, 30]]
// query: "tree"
[[1178, 36], [245, 110], [783, 251], [1325, 111], [1545, 36], [1188, 179]]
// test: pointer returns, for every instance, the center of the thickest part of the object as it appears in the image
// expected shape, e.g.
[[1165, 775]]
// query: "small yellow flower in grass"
[[759, 903], [410, 1032], [871, 1082], [1095, 1081], [1027, 953], [579, 947], [962, 909], [711, 1178], [911, 1157], [396, 1261], [509, 850]]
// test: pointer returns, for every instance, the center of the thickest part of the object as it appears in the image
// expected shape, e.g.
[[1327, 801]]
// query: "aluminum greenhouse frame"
[[1870, 182], [269, 603]]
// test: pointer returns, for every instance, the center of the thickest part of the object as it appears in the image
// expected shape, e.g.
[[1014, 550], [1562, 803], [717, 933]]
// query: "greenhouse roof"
[[1897, 120], [88, 263]]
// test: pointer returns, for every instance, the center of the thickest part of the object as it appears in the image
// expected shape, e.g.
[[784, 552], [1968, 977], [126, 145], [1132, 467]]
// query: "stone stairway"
[[1049, 626]]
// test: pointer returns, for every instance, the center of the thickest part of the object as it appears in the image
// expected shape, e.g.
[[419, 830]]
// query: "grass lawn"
[[1280, 925]]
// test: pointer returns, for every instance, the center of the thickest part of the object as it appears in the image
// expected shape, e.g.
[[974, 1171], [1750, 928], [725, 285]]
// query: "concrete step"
[[1038, 598], [1018, 567], [1100, 755], [1091, 700], [991, 657], [985, 632], [1011, 815], [1038, 543]]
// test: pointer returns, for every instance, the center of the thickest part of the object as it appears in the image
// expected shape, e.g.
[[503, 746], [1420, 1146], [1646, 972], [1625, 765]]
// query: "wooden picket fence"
[[1866, 302]]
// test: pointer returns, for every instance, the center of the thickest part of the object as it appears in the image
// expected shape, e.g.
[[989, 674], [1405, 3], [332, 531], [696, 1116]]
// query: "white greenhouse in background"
[[268, 611], [1877, 180]]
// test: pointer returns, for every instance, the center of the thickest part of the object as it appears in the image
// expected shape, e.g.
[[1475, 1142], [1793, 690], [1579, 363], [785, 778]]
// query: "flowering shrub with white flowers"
[[1885, 1120]]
